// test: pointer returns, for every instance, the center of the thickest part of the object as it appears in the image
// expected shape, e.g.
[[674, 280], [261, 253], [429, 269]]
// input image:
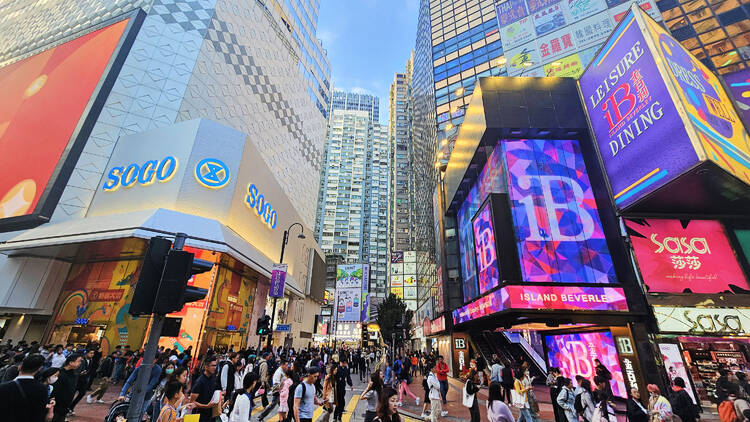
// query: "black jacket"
[[105, 367], [64, 389], [507, 374], [682, 406], [635, 413], [26, 407]]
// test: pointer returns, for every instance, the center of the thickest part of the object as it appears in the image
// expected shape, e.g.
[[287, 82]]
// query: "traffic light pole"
[[135, 410]]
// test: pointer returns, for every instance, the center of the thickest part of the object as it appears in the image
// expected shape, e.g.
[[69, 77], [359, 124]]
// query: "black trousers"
[[505, 393], [341, 403], [80, 393], [270, 407]]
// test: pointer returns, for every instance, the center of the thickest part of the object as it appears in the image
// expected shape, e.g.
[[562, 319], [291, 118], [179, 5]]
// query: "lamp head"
[[301, 236]]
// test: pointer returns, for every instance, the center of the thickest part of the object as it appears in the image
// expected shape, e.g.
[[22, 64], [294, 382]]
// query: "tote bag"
[[468, 399]]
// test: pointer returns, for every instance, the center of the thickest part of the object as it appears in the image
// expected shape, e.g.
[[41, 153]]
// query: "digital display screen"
[[44, 97], [558, 229], [676, 256], [574, 354], [486, 253]]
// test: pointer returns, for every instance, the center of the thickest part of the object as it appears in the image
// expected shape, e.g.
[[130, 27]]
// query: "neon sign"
[[212, 173], [263, 209], [146, 174]]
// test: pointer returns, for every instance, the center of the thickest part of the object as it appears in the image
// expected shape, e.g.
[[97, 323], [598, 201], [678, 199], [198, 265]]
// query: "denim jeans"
[[444, 390], [527, 415]]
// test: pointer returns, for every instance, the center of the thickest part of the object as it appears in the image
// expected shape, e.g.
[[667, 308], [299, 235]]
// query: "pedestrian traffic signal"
[[147, 286], [174, 291], [264, 324]]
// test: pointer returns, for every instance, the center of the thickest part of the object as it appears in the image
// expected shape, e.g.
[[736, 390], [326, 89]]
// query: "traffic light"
[[365, 336], [148, 280], [264, 323], [174, 292]]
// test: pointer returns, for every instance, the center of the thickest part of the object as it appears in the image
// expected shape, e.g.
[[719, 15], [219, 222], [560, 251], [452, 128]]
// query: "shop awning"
[[51, 240]]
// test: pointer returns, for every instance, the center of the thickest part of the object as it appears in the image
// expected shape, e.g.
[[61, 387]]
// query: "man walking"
[[203, 391], [442, 375], [276, 380], [343, 377], [263, 377], [104, 374], [83, 379], [304, 397], [65, 387], [24, 399]]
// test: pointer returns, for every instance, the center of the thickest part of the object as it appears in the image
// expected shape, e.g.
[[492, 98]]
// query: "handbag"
[[517, 399], [533, 402], [468, 399]]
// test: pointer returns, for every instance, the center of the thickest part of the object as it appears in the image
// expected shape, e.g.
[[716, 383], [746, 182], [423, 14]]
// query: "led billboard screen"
[[677, 256], [45, 97], [739, 86], [351, 280], [631, 113], [574, 354], [558, 230], [486, 252]]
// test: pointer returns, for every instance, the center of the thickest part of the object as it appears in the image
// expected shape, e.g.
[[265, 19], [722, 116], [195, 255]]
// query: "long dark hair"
[[383, 411], [494, 393], [377, 383]]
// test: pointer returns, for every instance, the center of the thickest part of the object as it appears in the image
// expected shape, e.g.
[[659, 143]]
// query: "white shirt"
[[239, 377], [241, 410], [58, 360], [434, 385], [225, 376], [276, 379]]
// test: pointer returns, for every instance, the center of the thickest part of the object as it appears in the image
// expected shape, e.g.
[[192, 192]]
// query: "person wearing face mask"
[[173, 396], [49, 377], [159, 397]]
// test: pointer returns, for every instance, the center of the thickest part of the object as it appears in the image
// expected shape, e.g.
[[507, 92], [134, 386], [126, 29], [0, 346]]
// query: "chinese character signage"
[[549, 19], [486, 252], [631, 114], [536, 5], [556, 221], [570, 67], [278, 280], [580, 9], [677, 256], [511, 11], [517, 33], [555, 45], [592, 30], [522, 58]]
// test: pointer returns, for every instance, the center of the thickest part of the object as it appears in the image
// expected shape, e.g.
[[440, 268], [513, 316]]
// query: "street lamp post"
[[284, 241]]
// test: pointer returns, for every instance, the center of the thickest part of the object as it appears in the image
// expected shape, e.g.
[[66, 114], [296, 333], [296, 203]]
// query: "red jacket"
[[442, 371]]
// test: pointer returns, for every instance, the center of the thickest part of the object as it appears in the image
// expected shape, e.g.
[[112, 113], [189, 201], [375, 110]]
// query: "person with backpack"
[[566, 399], [404, 378], [682, 403], [284, 391], [241, 404], [25, 399], [276, 380], [584, 404], [304, 397], [343, 378], [433, 395]]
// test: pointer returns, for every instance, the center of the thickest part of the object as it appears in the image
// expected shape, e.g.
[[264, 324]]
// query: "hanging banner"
[[278, 280]]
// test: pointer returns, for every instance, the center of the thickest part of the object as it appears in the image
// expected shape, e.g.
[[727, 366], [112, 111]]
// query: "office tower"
[[301, 17], [400, 143], [342, 100], [353, 208]]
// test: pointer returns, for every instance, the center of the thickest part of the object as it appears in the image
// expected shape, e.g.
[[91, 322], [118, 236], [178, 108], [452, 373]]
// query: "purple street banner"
[[641, 137], [739, 86], [278, 280]]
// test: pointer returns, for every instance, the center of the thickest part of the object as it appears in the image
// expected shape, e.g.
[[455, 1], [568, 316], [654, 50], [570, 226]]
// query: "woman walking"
[[371, 394], [522, 388], [566, 399], [403, 386], [470, 394]]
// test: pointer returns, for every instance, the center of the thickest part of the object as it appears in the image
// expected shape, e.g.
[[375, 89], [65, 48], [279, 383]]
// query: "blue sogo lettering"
[[146, 174], [257, 202]]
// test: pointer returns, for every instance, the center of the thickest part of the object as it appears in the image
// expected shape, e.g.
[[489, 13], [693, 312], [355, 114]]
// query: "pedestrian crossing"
[[347, 417]]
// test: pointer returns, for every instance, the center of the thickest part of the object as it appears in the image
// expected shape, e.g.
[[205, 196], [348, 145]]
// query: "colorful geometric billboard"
[[535, 297], [676, 256], [557, 226], [486, 252], [351, 281], [708, 106], [631, 112], [739, 87], [574, 354], [45, 98]]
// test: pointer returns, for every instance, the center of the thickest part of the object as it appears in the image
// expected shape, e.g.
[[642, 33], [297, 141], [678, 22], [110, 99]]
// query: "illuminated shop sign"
[[572, 298], [677, 256], [263, 209], [142, 174], [212, 173], [697, 321]]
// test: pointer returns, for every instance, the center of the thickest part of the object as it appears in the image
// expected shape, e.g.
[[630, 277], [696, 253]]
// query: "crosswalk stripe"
[[350, 408], [318, 413]]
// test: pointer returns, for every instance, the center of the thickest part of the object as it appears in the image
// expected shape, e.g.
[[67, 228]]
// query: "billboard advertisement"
[[511, 11], [351, 281], [488, 273], [574, 354], [517, 33], [670, 354], [278, 280], [703, 321], [691, 256], [348, 304], [522, 58], [557, 44], [567, 67], [708, 106], [739, 87], [581, 9], [556, 221], [548, 18], [592, 30], [349, 276], [571, 298], [631, 112], [45, 99]]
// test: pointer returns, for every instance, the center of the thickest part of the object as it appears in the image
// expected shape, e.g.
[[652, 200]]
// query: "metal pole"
[[135, 410], [273, 312]]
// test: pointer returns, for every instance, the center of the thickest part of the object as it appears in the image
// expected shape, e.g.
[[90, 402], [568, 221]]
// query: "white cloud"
[[360, 90]]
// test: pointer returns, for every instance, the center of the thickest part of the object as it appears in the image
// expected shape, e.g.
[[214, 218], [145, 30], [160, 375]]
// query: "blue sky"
[[367, 42]]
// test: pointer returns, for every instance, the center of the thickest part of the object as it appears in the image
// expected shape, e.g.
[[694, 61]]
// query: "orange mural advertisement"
[[232, 302], [193, 314], [95, 299], [43, 99]]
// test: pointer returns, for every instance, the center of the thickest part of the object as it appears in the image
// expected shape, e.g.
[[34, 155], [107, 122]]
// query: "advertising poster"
[[631, 112], [567, 67], [557, 226], [410, 292], [537, 5], [618, 12], [691, 256], [549, 19], [397, 258], [488, 273], [511, 11], [517, 33], [397, 269], [232, 301], [44, 98], [349, 276], [708, 106], [278, 280], [592, 30], [398, 291], [670, 354], [410, 256], [95, 298], [555, 45], [397, 281], [581, 9], [410, 268], [739, 88], [466, 244], [348, 304], [574, 354], [410, 280], [522, 58]]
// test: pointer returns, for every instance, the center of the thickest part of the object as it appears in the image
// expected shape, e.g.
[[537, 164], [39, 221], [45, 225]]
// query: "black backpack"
[[578, 405], [290, 400]]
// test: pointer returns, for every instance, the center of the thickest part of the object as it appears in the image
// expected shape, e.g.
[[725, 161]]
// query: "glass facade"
[[342, 100], [400, 139], [717, 32]]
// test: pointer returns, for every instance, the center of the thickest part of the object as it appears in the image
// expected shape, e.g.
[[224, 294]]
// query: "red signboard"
[[105, 295], [677, 256]]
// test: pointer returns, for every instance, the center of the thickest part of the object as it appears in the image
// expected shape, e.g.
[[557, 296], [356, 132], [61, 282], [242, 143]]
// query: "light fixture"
[[449, 126], [460, 91]]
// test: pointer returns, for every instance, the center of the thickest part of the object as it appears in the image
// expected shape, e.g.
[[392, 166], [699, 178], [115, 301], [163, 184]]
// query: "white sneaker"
[[423, 416], [100, 401], [400, 404], [444, 413], [417, 401], [89, 399]]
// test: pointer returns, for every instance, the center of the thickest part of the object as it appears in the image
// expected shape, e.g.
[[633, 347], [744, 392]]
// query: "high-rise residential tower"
[[343, 100], [400, 144], [353, 204]]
